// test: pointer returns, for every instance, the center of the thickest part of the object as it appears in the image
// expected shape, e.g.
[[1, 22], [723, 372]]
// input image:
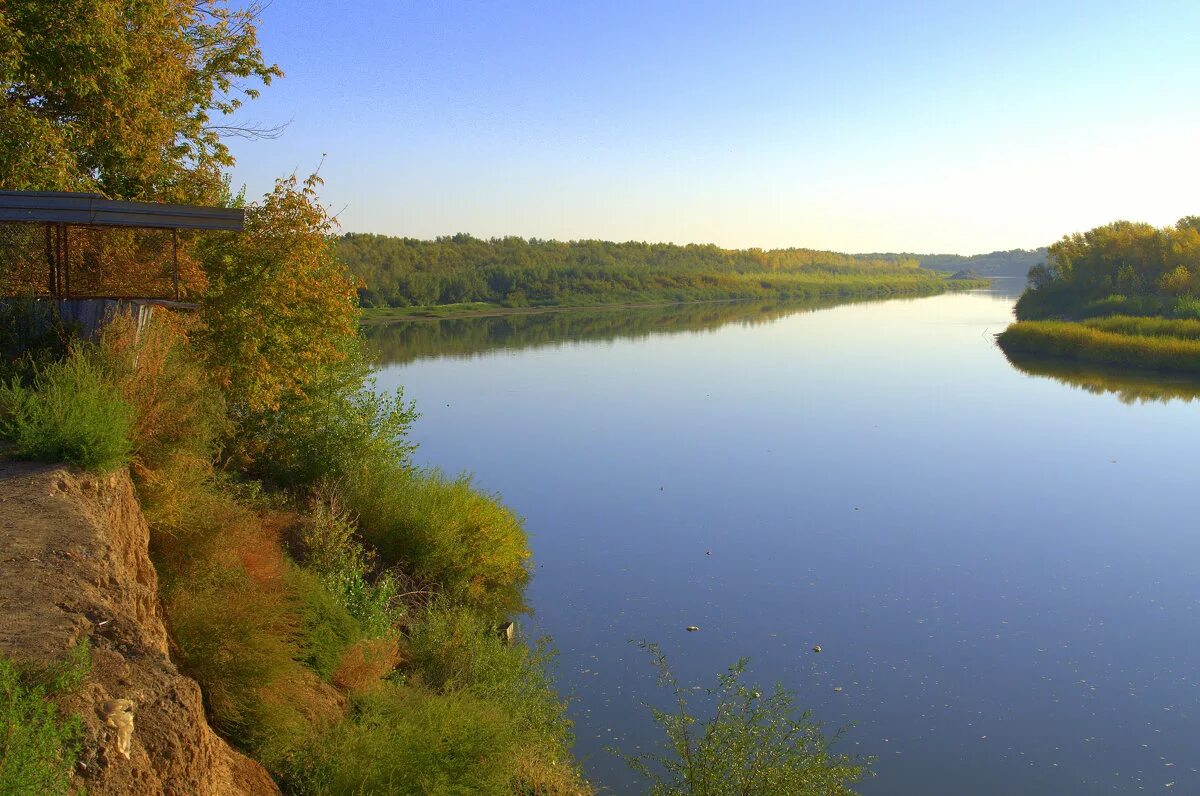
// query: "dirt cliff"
[[74, 564]]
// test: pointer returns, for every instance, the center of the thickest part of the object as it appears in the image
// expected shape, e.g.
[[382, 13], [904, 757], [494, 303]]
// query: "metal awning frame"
[[57, 211]]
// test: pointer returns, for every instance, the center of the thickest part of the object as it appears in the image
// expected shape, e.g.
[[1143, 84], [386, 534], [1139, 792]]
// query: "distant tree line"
[[400, 272], [1014, 262]]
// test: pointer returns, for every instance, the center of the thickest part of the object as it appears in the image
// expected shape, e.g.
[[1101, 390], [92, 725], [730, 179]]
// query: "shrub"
[[754, 744], [38, 746], [178, 414], [1186, 307], [234, 620], [234, 638], [329, 549], [70, 413], [445, 533], [405, 740], [452, 648]]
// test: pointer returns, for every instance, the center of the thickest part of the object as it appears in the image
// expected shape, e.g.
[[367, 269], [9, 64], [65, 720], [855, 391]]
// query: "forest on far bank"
[[1014, 262], [402, 272]]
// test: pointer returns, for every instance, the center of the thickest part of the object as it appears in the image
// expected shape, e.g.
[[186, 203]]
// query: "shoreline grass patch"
[[1139, 343]]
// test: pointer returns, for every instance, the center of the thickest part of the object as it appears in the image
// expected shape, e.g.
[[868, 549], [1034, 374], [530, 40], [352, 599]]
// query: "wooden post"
[[175, 258], [51, 261]]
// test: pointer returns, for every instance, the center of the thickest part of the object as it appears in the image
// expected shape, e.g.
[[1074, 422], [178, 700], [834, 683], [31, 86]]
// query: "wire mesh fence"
[[75, 261]]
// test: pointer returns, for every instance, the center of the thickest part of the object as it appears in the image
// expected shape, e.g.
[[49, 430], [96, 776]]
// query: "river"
[[998, 563]]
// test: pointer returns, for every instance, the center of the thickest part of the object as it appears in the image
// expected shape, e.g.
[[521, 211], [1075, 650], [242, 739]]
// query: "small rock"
[[817, 648], [691, 628]]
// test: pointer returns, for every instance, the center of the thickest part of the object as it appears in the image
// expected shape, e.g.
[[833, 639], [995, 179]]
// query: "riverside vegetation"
[[326, 594], [337, 604], [515, 272], [1124, 294]]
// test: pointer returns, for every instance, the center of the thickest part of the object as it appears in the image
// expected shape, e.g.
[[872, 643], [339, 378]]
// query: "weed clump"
[[39, 745]]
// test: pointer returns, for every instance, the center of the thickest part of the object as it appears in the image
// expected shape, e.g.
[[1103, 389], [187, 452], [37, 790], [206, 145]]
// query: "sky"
[[951, 127]]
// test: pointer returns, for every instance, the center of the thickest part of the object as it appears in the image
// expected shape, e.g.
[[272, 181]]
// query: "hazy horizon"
[[934, 128]]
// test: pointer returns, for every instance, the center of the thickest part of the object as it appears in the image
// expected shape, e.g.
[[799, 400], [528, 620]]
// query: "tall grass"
[[69, 413], [1179, 328], [1114, 341]]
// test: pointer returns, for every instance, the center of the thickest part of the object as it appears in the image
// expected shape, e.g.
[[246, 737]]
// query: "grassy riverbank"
[[922, 284], [1128, 342]]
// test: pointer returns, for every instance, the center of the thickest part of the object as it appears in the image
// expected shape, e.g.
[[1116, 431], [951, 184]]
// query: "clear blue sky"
[[855, 126]]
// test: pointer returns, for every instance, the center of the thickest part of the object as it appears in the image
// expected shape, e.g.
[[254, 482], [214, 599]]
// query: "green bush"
[[754, 744], [405, 740], [38, 746], [235, 639], [70, 413], [333, 428], [1186, 307], [445, 533]]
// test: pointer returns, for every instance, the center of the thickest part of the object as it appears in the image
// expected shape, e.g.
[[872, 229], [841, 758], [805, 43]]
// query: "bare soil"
[[74, 565]]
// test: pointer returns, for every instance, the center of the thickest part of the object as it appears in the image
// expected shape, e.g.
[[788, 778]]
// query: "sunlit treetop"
[[125, 98]]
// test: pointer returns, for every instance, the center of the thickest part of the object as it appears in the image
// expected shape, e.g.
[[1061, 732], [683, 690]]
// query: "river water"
[[1001, 565]]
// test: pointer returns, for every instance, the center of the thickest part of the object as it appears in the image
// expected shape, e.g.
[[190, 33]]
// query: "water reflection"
[[1130, 386], [402, 342], [1000, 571]]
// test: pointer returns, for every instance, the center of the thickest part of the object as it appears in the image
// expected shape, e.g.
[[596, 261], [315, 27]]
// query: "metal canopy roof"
[[62, 207]]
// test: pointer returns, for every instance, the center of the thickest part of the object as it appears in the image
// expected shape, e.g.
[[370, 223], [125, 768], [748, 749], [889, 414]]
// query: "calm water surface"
[[1001, 564]]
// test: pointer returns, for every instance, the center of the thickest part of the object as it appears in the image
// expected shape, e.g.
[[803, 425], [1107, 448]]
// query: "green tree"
[[124, 97], [280, 313]]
